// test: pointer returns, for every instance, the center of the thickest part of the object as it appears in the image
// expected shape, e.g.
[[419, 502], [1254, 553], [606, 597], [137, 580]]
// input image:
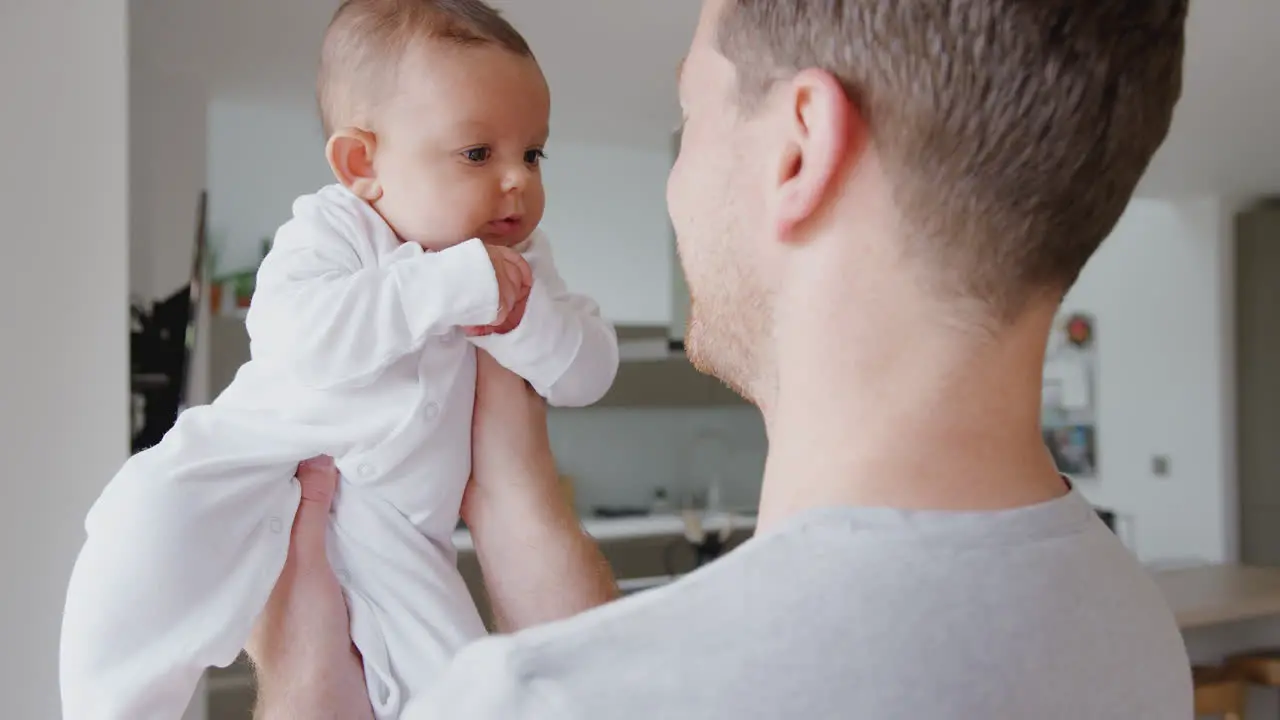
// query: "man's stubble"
[[730, 314]]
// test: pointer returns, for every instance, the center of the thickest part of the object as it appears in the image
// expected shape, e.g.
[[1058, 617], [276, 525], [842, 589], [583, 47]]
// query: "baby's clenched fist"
[[515, 278]]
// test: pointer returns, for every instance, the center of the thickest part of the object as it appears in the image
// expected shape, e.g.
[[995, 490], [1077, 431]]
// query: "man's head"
[[436, 114], [976, 150]]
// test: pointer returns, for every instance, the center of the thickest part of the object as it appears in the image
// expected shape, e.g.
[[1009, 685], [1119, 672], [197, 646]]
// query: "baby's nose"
[[515, 178]]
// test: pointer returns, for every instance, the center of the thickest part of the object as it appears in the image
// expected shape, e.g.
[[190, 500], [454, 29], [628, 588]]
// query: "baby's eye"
[[476, 155], [534, 156]]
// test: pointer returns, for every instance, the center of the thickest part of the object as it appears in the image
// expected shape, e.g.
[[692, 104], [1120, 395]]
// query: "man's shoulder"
[[886, 613], [637, 657]]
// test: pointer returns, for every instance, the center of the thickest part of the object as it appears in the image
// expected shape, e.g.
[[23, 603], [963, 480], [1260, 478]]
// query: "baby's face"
[[459, 147]]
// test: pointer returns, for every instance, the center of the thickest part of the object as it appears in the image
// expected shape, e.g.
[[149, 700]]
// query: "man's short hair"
[[367, 39], [1014, 131]]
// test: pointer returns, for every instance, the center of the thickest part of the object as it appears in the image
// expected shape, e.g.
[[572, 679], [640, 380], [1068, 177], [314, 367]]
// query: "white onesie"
[[358, 353]]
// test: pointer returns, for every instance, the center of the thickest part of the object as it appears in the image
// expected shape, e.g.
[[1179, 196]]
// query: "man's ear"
[[350, 154], [823, 127]]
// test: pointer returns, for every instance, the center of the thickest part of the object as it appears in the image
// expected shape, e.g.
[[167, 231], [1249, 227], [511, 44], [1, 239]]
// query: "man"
[[879, 207]]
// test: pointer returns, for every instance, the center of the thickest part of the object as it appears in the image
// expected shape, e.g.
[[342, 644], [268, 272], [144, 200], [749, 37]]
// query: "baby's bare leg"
[[306, 666]]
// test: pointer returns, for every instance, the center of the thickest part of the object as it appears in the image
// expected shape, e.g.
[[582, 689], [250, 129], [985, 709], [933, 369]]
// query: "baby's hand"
[[515, 278]]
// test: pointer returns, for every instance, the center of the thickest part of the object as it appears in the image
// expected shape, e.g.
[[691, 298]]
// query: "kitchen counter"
[[631, 528], [1220, 594]]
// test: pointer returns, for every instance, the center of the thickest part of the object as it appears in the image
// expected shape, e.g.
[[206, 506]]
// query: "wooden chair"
[[1219, 692], [1260, 667]]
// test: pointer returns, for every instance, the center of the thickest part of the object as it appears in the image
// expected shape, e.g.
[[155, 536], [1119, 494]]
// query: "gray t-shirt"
[[1037, 613]]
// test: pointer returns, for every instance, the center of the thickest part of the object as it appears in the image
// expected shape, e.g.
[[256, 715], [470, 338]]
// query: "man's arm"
[[335, 322], [538, 564], [562, 346]]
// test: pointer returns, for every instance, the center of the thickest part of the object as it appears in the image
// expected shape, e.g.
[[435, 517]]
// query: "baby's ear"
[[350, 154]]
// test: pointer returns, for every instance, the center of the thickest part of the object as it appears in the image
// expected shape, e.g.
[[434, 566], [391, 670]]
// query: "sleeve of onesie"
[[563, 347], [335, 322]]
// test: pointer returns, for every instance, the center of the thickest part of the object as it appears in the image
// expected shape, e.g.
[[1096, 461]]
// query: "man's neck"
[[916, 416]]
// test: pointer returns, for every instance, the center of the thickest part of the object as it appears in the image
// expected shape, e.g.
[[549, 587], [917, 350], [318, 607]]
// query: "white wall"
[[607, 217], [606, 207], [261, 157], [64, 274], [168, 140], [1161, 289]]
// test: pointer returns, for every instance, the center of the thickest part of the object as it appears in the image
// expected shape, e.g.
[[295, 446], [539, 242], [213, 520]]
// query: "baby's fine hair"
[[367, 39]]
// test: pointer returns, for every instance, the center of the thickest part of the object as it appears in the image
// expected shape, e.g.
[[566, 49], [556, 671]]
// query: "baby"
[[368, 312]]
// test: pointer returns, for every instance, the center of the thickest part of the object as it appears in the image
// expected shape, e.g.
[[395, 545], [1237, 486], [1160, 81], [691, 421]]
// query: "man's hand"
[[515, 278], [301, 644]]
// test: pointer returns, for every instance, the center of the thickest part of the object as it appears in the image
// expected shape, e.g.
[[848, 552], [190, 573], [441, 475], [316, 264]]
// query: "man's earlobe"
[[820, 122], [350, 154]]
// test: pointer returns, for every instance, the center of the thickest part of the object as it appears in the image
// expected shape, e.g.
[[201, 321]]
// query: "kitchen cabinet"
[[669, 380]]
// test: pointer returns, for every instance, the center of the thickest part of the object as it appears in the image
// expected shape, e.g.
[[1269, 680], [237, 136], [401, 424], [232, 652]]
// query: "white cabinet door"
[[607, 219]]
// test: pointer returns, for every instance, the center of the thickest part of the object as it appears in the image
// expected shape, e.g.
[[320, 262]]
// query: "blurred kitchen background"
[[1161, 389], [1170, 320]]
